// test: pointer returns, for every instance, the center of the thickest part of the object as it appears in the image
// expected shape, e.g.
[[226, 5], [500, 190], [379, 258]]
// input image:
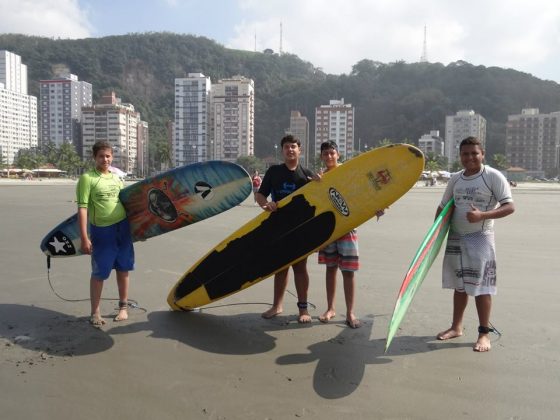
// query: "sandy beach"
[[226, 362]]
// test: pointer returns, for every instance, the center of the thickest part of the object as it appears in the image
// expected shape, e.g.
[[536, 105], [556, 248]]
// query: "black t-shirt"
[[279, 181]]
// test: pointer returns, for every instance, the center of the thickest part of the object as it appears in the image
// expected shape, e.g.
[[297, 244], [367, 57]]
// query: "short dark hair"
[[290, 139], [329, 144], [100, 145], [471, 141]]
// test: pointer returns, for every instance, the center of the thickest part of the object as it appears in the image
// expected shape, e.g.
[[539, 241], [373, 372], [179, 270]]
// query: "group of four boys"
[[481, 195]]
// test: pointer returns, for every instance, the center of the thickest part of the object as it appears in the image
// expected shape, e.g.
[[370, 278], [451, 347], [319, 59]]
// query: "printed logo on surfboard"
[[379, 178], [59, 244], [161, 206], [338, 201], [204, 190]]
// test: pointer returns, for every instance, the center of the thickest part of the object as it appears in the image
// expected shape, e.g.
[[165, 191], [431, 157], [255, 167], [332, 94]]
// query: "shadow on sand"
[[341, 360], [51, 332]]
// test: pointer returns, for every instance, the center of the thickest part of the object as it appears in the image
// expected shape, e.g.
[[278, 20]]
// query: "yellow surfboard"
[[308, 219]]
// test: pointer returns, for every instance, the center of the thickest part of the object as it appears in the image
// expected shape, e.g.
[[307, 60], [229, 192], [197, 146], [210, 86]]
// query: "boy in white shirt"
[[481, 194]]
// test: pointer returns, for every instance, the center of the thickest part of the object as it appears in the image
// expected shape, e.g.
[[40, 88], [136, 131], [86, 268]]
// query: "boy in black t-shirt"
[[280, 181]]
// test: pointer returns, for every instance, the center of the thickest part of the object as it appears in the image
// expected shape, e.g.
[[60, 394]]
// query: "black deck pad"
[[287, 234]]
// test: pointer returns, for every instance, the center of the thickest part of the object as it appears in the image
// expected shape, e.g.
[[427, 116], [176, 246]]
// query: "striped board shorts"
[[342, 253], [469, 264]]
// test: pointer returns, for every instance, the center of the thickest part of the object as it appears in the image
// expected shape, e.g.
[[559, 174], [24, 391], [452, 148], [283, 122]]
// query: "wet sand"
[[226, 362]]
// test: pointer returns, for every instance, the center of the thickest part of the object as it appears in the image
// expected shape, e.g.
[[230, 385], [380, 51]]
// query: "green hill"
[[396, 101]]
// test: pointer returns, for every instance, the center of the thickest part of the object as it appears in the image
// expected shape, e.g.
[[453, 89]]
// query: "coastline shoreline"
[[419, 184]]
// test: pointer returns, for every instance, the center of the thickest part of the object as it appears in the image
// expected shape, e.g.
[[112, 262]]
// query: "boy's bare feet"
[[96, 320], [483, 343], [122, 315], [352, 321], [271, 313], [123, 312], [449, 334], [327, 316], [304, 317]]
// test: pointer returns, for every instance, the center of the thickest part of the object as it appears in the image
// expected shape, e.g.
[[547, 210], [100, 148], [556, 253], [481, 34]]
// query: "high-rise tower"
[[18, 110], [463, 124], [117, 123], [233, 119], [335, 121], [533, 142], [192, 107], [61, 101], [299, 127]]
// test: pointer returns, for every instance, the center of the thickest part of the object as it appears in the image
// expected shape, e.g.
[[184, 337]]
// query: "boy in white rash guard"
[[481, 195]]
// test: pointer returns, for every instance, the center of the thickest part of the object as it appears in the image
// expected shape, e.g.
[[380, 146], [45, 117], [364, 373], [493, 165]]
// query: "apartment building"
[[13, 73], [232, 119], [463, 124], [299, 127], [191, 135], [18, 110], [142, 148], [533, 142], [119, 124], [60, 109], [432, 143], [336, 122]]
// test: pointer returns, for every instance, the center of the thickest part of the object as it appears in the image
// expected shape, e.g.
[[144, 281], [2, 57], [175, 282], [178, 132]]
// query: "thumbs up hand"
[[474, 215]]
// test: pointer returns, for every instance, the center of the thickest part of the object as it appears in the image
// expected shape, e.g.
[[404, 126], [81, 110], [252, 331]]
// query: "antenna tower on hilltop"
[[280, 50], [424, 57]]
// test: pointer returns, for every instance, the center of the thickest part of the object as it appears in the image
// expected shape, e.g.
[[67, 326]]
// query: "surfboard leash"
[[132, 303], [308, 303], [231, 304], [494, 330], [248, 303]]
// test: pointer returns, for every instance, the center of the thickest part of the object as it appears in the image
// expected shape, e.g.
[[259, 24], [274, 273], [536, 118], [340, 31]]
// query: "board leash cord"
[[494, 330], [201, 309], [132, 303]]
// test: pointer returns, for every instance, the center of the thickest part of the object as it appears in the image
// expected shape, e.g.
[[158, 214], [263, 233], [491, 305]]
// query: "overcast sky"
[[331, 34]]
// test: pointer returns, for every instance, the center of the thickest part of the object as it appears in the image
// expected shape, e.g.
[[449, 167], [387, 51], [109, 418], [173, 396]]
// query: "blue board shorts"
[[112, 249]]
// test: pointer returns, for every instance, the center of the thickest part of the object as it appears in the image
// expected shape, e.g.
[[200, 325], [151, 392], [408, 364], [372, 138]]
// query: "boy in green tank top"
[[109, 241]]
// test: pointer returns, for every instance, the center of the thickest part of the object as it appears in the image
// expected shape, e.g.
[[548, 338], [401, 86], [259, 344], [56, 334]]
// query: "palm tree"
[[67, 159], [49, 152], [251, 163], [432, 166], [434, 162], [385, 142], [29, 158], [500, 162], [161, 154]]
